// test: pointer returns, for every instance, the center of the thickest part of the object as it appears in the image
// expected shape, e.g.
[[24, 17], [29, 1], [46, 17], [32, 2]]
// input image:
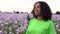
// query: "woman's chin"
[[36, 14]]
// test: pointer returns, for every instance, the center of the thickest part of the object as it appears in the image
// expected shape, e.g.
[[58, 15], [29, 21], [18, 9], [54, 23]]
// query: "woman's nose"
[[35, 9]]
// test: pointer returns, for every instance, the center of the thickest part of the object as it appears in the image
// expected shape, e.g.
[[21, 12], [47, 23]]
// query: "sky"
[[26, 5]]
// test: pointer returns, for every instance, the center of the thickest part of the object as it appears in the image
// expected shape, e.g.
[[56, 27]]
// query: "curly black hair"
[[45, 11]]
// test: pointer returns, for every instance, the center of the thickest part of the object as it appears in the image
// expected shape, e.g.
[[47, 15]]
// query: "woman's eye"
[[38, 6]]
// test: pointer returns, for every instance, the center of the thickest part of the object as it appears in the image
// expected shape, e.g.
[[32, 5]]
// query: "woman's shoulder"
[[33, 19], [51, 22]]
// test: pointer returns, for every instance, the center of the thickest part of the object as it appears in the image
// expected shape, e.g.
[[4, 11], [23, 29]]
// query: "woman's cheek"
[[38, 9]]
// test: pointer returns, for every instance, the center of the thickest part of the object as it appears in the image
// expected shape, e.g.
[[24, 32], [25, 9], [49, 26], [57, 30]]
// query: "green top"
[[40, 27]]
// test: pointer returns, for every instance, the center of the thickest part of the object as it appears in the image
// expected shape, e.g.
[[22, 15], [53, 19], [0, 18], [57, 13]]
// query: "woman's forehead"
[[37, 4]]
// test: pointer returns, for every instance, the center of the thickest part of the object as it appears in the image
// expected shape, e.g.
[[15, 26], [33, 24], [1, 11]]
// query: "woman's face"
[[37, 9]]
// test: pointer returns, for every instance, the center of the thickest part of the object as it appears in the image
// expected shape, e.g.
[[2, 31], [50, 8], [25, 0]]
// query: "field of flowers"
[[12, 23], [56, 20]]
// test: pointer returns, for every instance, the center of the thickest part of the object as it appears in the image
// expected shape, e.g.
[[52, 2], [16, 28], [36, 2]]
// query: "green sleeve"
[[51, 28], [27, 32], [29, 23]]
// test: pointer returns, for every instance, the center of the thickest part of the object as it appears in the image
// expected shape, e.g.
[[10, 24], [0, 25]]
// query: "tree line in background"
[[58, 12]]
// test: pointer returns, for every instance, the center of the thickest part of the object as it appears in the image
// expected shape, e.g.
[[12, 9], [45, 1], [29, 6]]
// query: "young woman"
[[42, 23]]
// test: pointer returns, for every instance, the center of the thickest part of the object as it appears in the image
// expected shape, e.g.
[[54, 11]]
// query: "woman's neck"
[[39, 18]]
